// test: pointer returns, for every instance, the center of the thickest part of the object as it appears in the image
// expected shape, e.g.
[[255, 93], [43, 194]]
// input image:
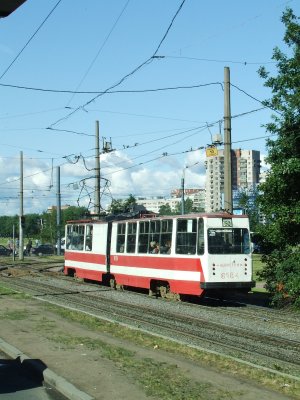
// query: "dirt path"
[[110, 370]]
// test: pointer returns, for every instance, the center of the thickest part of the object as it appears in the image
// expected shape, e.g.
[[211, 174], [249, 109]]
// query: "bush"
[[282, 275]]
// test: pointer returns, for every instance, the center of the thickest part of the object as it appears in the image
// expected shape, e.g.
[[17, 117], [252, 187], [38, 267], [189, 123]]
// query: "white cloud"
[[126, 176]]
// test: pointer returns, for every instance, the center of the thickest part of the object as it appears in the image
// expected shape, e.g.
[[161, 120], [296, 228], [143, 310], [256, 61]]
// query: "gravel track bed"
[[248, 310], [256, 340]]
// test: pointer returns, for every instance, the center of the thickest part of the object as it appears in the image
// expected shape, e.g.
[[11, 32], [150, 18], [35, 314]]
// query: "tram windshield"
[[228, 241]]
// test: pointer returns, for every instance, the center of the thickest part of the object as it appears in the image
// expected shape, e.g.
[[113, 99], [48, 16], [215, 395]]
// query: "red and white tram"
[[173, 255]]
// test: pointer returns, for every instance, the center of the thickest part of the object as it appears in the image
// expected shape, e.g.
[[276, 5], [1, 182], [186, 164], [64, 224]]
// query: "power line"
[[100, 49], [125, 147], [69, 131], [108, 91], [219, 61], [254, 98], [150, 59], [30, 39]]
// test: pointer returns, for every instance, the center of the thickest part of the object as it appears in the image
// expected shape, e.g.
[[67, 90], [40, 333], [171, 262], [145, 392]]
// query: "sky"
[[152, 74]]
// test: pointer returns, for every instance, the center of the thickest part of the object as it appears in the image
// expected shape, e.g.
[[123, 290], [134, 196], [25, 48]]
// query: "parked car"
[[4, 251], [43, 249], [62, 245]]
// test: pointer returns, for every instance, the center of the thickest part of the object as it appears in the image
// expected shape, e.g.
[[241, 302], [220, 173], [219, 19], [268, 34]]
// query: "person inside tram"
[[154, 247], [166, 249]]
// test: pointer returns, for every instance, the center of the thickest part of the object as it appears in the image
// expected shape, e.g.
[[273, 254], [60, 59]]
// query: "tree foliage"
[[166, 209], [188, 207], [247, 201], [41, 226], [279, 201], [122, 206]]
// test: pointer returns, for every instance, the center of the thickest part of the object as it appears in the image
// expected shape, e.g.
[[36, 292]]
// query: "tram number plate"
[[229, 275]]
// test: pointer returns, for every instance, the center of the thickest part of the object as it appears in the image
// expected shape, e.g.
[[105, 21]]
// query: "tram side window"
[[166, 236], [121, 238], [131, 237], [200, 236], [89, 237], [154, 237], [143, 236], [69, 236], [75, 237], [186, 236]]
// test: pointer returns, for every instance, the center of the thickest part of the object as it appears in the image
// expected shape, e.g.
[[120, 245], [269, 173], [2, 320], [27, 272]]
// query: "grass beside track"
[[160, 380]]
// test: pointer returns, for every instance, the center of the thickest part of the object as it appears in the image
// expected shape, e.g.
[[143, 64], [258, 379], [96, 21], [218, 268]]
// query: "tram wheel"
[[164, 290], [112, 283]]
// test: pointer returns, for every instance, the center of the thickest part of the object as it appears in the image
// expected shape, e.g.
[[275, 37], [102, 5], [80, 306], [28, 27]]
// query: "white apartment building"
[[154, 203], [245, 174]]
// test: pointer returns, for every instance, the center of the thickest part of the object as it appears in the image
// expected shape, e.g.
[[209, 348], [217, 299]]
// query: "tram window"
[[121, 238], [154, 231], [89, 237], [69, 236], [228, 241], [186, 236], [131, 237], [166, 236], [200, 236], [75, 237], [143, 236], [154, 237]]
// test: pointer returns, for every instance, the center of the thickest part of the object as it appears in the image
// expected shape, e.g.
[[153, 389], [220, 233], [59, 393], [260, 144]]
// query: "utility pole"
[[227, 143], [182, 192], [21, 217], [58, 211], [97, 174]]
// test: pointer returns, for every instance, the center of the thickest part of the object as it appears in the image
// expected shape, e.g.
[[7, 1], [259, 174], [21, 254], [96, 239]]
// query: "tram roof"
[[155, 217]]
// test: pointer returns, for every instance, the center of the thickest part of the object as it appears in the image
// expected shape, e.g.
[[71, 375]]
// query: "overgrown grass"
[[5, 291]]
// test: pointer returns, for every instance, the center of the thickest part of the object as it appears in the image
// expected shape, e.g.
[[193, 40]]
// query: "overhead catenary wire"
[[99, 51], [107, 92], [29, 40], [195, 130], [218, 61], [147, 61]]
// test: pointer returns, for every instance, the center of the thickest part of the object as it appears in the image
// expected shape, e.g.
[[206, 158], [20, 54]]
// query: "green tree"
[[6, 225], [73, 213], [48, 222], [247, 201], [32, 227], [129, 202], [165, 209], [279, 199], [122, 206], [188, 207], [116, 207]]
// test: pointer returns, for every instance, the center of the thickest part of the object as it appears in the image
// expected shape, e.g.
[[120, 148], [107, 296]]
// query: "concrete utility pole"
[[182, 192], [58, 211], [97, 173], [227, 143], [21, 217]]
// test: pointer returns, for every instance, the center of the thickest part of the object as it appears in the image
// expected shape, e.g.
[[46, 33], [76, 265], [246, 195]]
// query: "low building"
[[154, 203]]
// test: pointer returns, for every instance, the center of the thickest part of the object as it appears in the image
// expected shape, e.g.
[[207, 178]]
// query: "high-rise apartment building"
[[245, 174]]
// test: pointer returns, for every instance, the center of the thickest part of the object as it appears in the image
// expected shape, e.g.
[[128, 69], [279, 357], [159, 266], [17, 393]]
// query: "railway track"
[[171, 320]]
